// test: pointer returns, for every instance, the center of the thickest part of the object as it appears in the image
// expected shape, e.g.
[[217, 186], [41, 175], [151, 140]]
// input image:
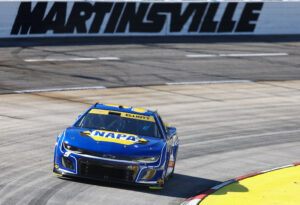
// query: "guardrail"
[[146, 18]]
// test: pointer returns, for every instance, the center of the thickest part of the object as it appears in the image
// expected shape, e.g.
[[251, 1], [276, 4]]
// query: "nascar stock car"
[[118, 144]]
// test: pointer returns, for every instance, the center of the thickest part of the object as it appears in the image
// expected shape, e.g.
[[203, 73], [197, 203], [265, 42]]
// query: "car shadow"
[[182, 186], [185, 186], [234, 187]]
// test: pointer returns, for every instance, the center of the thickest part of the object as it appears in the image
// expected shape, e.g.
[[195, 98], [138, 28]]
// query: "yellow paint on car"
[[279, 187], [150, 174], [118, 141], [60, 175], [140, 110], [160, 181], [114, 105], [168, 125], [99, 111], [141, 140], [155, 187], [137, 117]]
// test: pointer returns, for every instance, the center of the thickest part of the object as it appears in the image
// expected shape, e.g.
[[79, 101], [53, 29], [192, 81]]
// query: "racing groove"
[[225, 131], [69, 63]]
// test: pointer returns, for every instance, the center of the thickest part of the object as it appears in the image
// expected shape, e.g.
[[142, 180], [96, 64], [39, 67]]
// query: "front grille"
[[105, 171]]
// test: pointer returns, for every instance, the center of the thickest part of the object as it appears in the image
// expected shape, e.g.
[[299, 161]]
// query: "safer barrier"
[[95, 18]]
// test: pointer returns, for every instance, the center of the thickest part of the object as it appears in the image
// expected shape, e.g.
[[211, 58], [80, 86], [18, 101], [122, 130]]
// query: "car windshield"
[[114, 121]]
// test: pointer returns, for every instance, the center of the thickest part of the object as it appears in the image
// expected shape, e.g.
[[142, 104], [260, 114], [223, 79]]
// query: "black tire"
[[172, 173]]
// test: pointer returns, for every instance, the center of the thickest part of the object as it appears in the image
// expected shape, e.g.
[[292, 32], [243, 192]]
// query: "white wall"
[[156, 18]]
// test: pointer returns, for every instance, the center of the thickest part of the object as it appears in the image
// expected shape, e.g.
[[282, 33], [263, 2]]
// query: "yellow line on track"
[[279, 187]]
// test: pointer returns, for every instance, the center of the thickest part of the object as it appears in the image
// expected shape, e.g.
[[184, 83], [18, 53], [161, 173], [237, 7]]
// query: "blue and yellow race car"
[[119, 144]]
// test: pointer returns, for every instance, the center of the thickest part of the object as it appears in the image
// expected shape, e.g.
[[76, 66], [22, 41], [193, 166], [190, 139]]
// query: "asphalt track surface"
[[226, 130], [143, 61]]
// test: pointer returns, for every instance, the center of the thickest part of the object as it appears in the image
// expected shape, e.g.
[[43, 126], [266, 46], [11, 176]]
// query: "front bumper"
[[92, 167]]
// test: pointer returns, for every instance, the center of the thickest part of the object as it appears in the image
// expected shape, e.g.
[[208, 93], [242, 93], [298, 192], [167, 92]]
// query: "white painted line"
[[209, 82], [59, 89], [235, 55], [223, 184], [191, 202], [273, 169], [109, 58], [72, 59]]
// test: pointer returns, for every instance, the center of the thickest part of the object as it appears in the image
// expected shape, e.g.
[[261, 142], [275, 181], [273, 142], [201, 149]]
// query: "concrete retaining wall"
[[95, 18]]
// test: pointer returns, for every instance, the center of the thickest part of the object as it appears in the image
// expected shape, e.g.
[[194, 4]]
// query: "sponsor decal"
[[123, 114], [115, 137], [138, 117], [112, 18], [160, 181]]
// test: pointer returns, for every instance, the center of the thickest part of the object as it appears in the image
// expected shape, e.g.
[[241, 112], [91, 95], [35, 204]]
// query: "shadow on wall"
[[40, 41]]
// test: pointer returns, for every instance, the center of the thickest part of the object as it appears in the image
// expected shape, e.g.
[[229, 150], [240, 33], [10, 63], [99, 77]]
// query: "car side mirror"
[[167, 130]]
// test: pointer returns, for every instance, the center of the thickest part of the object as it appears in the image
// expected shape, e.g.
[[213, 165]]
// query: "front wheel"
[[171, 164]]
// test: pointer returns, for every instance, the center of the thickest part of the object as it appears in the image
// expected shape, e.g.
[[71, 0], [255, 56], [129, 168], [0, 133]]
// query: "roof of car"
[[123, 108]]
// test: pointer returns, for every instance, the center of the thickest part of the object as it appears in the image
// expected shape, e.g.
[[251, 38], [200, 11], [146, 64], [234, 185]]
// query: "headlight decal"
[[148, 159], [148, 174], [162, 157]]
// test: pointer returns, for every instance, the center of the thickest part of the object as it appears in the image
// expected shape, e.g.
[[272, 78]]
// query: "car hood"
[[113, 143]]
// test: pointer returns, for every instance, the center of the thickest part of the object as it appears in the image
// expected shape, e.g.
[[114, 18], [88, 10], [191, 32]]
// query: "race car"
[[118, 144]]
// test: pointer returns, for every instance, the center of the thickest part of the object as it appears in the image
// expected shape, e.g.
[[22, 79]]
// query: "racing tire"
[[175, 158]]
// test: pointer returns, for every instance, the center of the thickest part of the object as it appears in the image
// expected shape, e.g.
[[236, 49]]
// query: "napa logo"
[[115, 137]]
